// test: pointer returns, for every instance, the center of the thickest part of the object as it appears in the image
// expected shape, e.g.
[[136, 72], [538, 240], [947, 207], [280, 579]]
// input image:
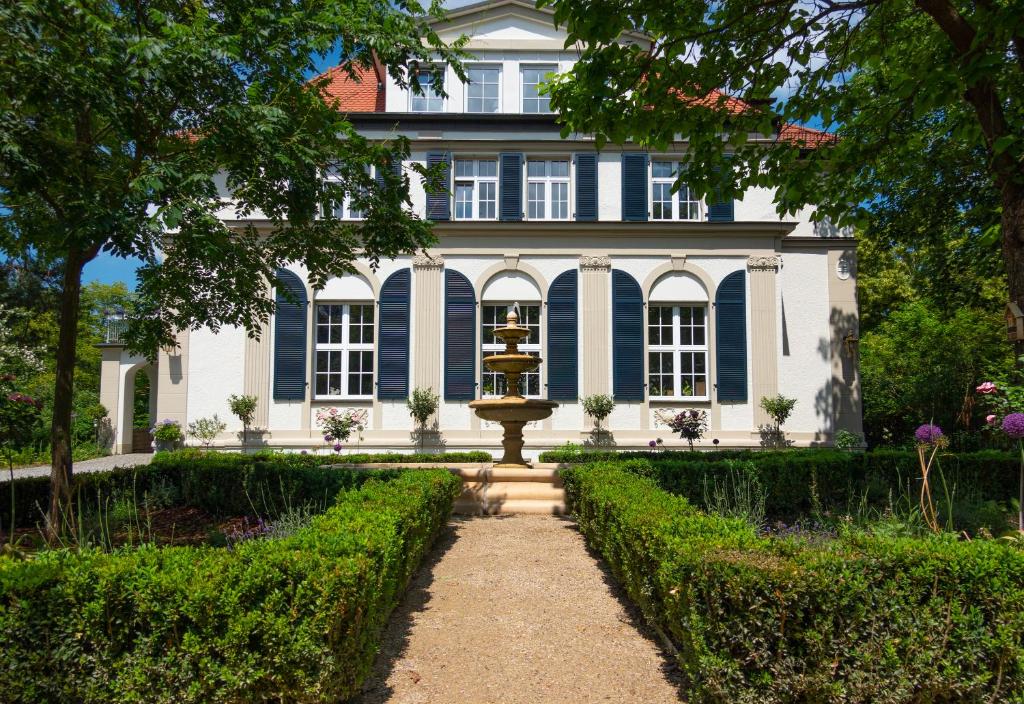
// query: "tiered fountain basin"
[[512, 410]]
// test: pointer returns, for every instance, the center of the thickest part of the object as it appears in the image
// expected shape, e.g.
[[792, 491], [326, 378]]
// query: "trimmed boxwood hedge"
[[223, 484], [295, 619], [859, 619], [841, 479]]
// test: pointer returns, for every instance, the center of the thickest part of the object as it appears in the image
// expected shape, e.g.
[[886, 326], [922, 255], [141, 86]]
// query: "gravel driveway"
[[516, 609], [100, 464]]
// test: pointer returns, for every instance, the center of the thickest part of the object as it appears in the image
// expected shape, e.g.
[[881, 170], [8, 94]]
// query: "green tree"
[[917, 93], [118, 122], [922, 364]]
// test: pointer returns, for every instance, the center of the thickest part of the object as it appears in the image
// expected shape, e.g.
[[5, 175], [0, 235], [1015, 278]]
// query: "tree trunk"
[[60, 514], [1013, 246]]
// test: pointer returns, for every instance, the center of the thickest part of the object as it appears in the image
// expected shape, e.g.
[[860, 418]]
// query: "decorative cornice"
[[764, 263], [595, 263], [425, 261]]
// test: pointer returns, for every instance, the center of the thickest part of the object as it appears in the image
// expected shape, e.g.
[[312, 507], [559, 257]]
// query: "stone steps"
[[491, 491]]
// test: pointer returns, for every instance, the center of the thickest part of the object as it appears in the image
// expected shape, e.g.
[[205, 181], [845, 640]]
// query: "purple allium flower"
[[304, 452], [337, 447], [1013, 425], [715, 441], [652, 443], [328, 438], [928, 434]]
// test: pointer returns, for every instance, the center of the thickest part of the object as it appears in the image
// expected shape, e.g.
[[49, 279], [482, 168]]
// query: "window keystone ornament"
[[764, 263], [601, 262]]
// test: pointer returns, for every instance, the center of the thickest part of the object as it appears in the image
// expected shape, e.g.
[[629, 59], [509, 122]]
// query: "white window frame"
[[489, 344], [548, 181], [343, 210], [430, 106], [468, 85], [475, 180], [677, 350], [343, 348], [523, 68], [694, 206]]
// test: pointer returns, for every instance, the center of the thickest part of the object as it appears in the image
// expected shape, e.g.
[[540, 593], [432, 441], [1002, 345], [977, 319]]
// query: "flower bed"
[[221, 483], [295, 619], [795, 480], [866, 619]]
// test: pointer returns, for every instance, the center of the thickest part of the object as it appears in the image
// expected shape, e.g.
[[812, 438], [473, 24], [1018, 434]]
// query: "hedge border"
[[864, 619], [296, 619]]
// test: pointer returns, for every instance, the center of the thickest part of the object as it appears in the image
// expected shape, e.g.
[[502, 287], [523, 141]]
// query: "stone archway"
[[128, 437]]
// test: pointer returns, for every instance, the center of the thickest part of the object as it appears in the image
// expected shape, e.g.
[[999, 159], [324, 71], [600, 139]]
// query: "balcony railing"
[[115, 331]]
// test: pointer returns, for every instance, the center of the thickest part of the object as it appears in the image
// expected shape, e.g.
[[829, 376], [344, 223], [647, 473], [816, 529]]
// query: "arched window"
[[344, 334], [677, 339], [500, 293]]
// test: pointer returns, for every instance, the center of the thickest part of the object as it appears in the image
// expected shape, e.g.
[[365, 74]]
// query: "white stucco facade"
[[798, 314]]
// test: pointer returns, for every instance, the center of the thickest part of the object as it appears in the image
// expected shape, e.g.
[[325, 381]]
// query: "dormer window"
[[533, 77], [484, 89], [431, 80]]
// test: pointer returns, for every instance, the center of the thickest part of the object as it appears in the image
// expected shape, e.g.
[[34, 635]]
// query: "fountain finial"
[[512, 317]]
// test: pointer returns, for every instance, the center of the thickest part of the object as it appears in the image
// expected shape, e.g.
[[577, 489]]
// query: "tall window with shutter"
[[393, 343], [563, 334], [627, 338], [634, 186], [586, 186], [459, 337], [731, 337], [289, 337]]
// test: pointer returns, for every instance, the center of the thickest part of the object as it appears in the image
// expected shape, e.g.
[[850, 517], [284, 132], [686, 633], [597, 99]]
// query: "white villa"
[[663, 301]]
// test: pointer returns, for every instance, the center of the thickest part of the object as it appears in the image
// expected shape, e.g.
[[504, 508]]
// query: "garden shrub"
[[221, 483], [857, 619], [838, 481], [295, 619]]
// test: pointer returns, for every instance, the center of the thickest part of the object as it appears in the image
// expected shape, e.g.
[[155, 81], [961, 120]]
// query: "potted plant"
[[778, 409], [422, 404], [167, 435], [337, 426], [691, 425], [244, 407], [598, 407], [206, 430]]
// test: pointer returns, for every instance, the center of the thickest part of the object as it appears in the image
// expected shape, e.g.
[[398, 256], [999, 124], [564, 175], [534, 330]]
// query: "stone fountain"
[[512, 410]]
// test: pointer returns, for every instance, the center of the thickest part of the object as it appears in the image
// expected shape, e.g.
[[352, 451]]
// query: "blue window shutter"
[[634, 186], [627, 338], [510, 186], [460, 350], [439, 207], [563, 348], [719, 209], [731, 337], [289, 338], [586, 187], [393, 337]]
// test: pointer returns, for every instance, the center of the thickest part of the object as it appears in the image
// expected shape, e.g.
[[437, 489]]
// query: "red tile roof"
[[365, 93]]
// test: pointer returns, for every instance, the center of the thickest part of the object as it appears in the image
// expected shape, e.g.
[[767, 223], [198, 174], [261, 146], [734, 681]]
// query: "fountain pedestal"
[[512, 410]]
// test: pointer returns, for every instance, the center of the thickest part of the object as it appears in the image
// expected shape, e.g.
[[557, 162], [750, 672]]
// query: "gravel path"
[[516, 609], [100, 464]]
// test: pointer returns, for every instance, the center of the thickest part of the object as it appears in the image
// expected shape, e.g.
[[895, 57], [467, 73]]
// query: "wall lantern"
[[1014, 322], [850, 343]]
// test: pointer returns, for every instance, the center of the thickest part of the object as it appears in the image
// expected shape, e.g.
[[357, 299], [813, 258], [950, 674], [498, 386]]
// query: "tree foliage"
[[187, 135]]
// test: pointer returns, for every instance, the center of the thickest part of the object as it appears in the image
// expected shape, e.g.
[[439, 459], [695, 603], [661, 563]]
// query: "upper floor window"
[[344, 350], [495, 316], [431, 82], [677, 351], [665, 205], [346, 208], [476, 189], [547, 189], [532, 79], [484, 89]]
